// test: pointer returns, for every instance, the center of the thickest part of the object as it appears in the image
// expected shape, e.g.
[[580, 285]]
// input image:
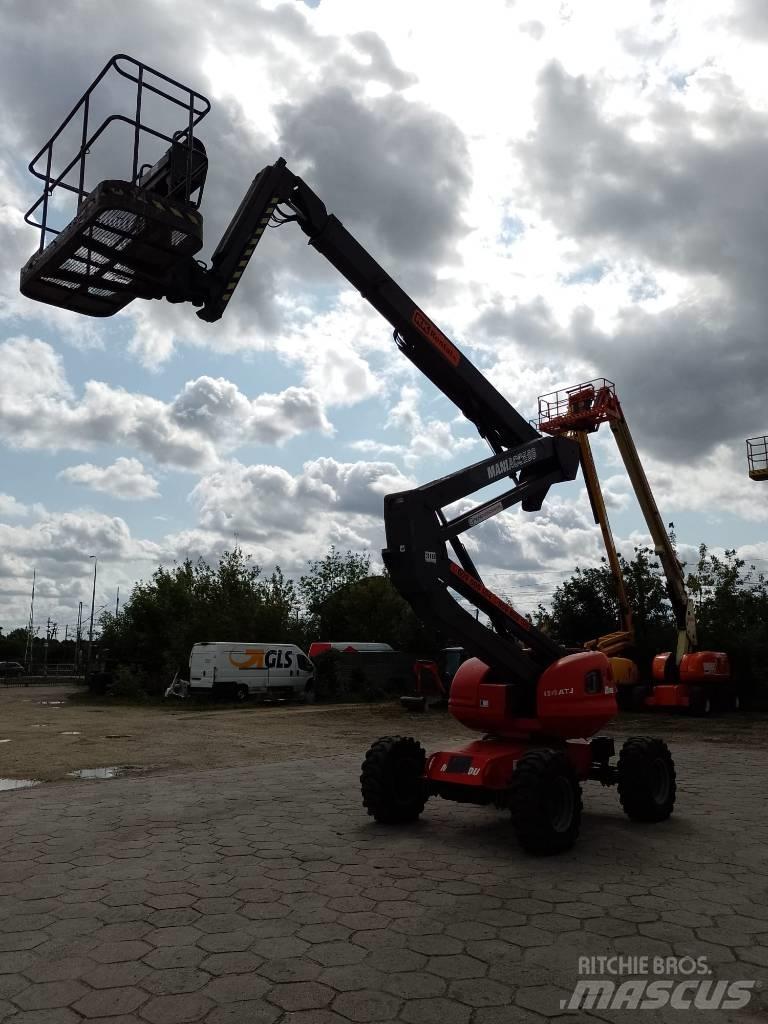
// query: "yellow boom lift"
[[688, 678]]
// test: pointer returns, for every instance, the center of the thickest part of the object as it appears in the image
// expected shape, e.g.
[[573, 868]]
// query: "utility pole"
[[78, 636], [117, 601], [90, 630], [30, 627], [45, 649]]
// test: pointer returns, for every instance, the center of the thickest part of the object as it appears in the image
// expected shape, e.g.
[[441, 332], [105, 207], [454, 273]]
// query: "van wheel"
[[309, 694], [241, 693]]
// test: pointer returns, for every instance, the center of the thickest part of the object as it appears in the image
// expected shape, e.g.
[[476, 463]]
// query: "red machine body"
[[575, 698], [487, 765], [695, 667]]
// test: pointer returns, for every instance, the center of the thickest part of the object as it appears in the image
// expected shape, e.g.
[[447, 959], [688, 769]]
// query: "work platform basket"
[[107, 239], [757, 457]]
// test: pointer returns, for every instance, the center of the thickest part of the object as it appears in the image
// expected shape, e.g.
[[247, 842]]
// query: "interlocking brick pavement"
[[265, 896]]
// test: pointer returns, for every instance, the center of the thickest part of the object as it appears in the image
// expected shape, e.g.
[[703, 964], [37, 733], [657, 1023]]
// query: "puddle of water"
[[96, 773], [69, 734], [117, 736], [53, 703], [5, 741], [17, 783]]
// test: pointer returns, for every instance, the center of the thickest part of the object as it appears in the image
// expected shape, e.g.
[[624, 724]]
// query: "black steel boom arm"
[[417, 529], [416, 335]]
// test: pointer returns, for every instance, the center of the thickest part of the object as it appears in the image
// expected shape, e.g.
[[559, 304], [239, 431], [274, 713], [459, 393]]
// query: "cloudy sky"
[[569, 190]]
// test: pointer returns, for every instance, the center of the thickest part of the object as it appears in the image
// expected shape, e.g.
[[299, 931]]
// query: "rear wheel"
[[647, 781], [637, 697], [309, 693], [699, 701], [545, 802], [392, 780]]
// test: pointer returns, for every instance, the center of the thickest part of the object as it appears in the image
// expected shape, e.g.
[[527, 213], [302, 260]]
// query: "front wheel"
[[545, 802], [392, 780], [241, 693], [647, 780]]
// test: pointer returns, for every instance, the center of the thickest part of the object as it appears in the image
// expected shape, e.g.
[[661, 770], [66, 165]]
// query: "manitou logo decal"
[[257, 657], [435, 337], [510, 463], [566, 691]]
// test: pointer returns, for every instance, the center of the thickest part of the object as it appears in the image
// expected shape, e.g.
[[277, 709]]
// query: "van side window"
[[305, 663]]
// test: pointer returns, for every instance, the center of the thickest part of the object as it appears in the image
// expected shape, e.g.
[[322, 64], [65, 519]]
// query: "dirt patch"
[[48, 740]]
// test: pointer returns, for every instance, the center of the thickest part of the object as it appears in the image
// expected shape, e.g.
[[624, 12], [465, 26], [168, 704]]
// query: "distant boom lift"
[[535, 704], [688, 678], [757, 457]]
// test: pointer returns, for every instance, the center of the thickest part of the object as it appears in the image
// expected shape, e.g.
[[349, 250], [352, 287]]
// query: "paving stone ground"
[[265, 896]]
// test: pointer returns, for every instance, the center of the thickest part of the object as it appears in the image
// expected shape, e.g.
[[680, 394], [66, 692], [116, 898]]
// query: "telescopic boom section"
[[614, 643], [416, 335]]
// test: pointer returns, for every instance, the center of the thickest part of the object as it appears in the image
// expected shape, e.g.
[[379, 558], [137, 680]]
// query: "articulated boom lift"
[[537, 705], [687, 678]]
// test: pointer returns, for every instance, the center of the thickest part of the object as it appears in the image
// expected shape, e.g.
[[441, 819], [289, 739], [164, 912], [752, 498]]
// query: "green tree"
[[732, 616], [194, 602], [585, 606], [372, 610], [329, 574]]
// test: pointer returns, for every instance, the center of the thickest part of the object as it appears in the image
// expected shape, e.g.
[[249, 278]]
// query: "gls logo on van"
[[259, 658]]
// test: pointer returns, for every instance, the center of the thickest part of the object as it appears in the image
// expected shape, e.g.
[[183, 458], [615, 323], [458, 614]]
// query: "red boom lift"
[[686, 678], [538, 707]]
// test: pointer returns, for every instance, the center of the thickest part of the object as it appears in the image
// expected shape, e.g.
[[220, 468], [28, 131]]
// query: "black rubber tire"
[[700, 702], [309, 696], [624, 697], [545, 802], [241, 693], [637, 698], [392, 780], [647, 781]]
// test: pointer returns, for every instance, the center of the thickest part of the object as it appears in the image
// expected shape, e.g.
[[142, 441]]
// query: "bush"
[[130, 684]]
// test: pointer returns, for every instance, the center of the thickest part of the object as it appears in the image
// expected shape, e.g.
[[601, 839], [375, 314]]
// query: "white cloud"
[[39, 409], [289, 518], [56, 546], [12, 508], [125, 478], [427, 438]]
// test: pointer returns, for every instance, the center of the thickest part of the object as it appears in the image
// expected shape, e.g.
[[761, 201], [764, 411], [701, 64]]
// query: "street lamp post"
[[90, 630]]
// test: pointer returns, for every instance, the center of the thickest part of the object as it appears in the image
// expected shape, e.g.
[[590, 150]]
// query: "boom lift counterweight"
[[536, 704]]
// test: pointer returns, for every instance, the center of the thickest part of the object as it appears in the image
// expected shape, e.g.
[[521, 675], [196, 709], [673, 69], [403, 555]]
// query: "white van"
[[242, 670]]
